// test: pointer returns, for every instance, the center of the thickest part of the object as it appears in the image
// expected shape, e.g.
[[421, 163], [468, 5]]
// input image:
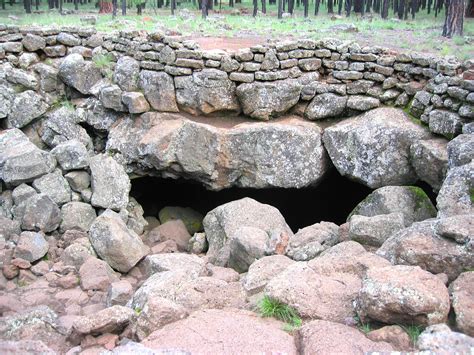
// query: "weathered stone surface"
[[462, 291], [246, 245], [311, 241], [126, 73], [373, 148], [267, 100], [110, 184], [300, 287], [411, 201], [326, 105], [135, 102], [31, 246], [77, 216], [224, 221], [395, 335], [20, 160], [362, 103], [441, 340], [323, 337], [80, 74], [226, 331], [39, 213], [71, 155], [32, 42], [55, 186], [461, 150], [111, 97], [26, 106], [95, 274], [157, 313], [25, 347], [191, 218], [262, 271], [430, 160], [403, 294], [121, 248], [189, 263], [456, 194], [173, 230], [420, 245], [445, 122], [375, 230], [459, 228], [258, 155], [119, 293], [159, 90], [110, 320], [205, 92]]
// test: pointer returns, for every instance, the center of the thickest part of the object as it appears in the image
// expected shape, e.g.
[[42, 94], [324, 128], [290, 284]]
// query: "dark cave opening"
[[332, 200]]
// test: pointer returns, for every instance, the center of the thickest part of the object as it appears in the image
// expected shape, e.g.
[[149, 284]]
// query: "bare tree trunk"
[[454, 20], [3, 4], [173, 6], [316, 7], [124, 7], [330, 7], [280, 9], [114, 8], [306, 7], [264, 6], [348, 6], [204, 9], [255, 8], [384, 13], [27, 6], [339, 7]]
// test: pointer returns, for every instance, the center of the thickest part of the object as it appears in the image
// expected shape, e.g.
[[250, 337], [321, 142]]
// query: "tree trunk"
[[384, 12], [3, 4], [114, 8], [454, 20], [255, 8], [204, 9], [330, 7], [306, 7], [339, 7], [280, 9], [61, 6], [27, 6], [317, 4], [264, 6], [401, 9], [123, 4], [173, 6], [348, 6]]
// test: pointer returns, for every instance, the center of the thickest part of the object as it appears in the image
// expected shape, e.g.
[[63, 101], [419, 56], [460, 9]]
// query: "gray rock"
[[33, 42], [375, 230], [55, 186], [77, 216], [311, 241], [78, 180], [461, 291], [121, 248], [205, 92], [246, 245], [456, 193], [126, 73], [267, 100], [8, 228], [6, 99], [111, 97], [39, 213], [446, 123], [71, 155], [223, 222], [158, 88], [420, 245], [459, 228], [430, 160], [461, 150], [20, 160], [190, 264], [325, 106], [262, 271], [410, 201], [26, 106], [78, 73], [283, 154], [198, 243], [373, 148], [31, 246], [440, 339], [22, 193], [68, 39], [110, 184], [135, 102], [362, 103]]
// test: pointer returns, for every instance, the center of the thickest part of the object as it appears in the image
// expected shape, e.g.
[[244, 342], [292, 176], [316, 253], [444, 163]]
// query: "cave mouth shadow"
[[331, 200]]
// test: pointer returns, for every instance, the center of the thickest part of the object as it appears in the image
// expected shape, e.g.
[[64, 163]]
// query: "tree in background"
[[454, 21]]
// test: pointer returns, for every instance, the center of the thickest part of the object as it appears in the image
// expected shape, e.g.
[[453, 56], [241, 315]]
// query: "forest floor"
[[225, 29]]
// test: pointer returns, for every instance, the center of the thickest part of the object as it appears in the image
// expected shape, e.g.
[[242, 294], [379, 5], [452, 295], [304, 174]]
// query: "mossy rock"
[[191, 218]]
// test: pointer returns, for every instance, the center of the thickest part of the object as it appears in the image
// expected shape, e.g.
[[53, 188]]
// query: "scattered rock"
[[440, 339], [462, 291]]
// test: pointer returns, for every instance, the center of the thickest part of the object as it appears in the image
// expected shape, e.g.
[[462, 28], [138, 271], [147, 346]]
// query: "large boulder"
[[311, 241], [80, 74], [38, 213], [421, 244], [205, 92], [188, 263], [462, 299], [403, 294], [110, 183], [77, 216], [374, 231], [158, 88], [456, 195], [439, 339], [314, 295], [20, 160], [223, 331], [126, 73], [223, 222], [286, 154], [55, 186], [264, 101], [121, 248], [26, 106], [374, 148], [326, 105], [410, 201], [324, 337], [461, 150]]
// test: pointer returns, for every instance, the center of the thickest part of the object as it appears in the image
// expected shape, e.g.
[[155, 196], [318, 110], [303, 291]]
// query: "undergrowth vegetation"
[[269, 307]]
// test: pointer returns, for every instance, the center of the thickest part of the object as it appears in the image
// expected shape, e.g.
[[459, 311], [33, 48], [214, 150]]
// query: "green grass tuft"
[[471, 193], [269, 307], [102, 61], [413, 332]]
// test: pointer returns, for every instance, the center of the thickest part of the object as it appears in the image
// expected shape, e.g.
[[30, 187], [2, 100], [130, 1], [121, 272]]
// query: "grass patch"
[[471, 193], [269, 307], [102, 61], [413, 332]]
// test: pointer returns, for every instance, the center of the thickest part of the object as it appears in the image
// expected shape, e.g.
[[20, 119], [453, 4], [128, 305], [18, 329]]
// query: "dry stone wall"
[[136, 72]]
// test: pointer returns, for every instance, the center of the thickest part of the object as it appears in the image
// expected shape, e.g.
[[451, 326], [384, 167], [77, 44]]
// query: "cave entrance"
[[332, 200]]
